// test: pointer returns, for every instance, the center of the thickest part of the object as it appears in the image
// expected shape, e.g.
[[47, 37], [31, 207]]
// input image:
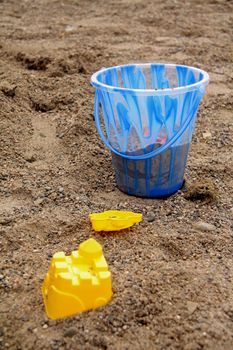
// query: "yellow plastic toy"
[[114, 220], [78, 282]]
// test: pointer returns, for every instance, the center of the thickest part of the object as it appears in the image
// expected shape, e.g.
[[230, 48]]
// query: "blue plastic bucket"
[[148, 113]]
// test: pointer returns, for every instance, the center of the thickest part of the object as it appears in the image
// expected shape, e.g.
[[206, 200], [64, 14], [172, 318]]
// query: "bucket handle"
[[152, 154]]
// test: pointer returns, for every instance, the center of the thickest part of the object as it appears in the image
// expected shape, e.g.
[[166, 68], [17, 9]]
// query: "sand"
[[172, 273]]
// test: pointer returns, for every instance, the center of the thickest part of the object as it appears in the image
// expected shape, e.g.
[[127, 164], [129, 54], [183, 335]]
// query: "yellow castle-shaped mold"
[[78, 282]]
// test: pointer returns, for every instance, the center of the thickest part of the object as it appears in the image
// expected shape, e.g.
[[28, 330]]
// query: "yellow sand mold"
[[76, 283], [114, 220]]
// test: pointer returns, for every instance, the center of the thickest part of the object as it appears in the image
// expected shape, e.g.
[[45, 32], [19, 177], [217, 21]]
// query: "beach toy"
[[78, 282], [114, 220], [147, 118]]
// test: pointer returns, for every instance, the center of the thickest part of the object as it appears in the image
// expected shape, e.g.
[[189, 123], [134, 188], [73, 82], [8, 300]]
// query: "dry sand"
[[172, 276]]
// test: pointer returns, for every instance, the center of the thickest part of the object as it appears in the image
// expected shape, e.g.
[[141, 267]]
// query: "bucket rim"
[[154, 92]]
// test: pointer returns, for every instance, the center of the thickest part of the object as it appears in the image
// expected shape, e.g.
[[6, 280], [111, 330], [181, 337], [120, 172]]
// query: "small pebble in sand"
[[206, 135], [38, 201], [204, 226], [150, 217], [5, 220], [191, 306], [30, 158], [70, 332]]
